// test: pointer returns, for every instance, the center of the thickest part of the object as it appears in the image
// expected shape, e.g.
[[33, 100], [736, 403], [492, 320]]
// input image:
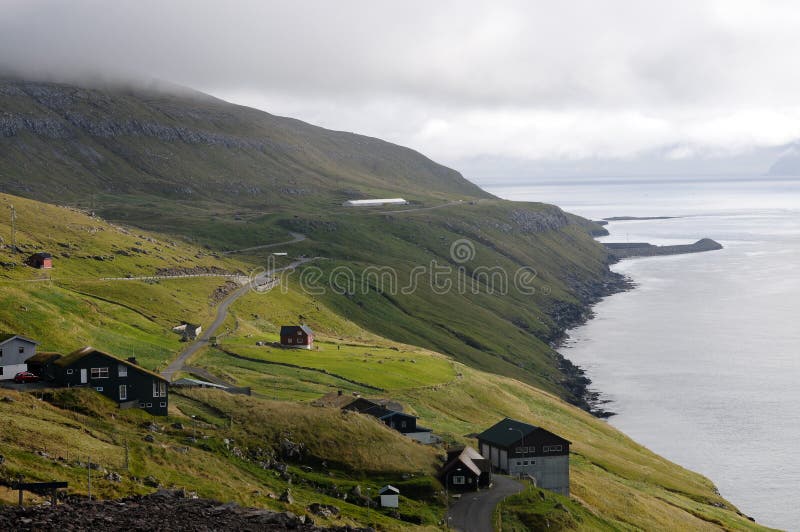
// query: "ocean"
[[701, 361]]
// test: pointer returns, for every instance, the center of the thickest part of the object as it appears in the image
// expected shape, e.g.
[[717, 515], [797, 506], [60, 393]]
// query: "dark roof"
[[86, 351], [6, 337], [289, 329], [502, 435], [43, 357], [41, 255]]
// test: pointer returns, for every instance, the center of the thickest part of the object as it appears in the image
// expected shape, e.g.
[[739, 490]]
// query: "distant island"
[[624, 250], [629, 218]]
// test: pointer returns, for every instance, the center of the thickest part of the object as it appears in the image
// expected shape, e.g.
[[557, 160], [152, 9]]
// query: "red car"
[[26, 376]]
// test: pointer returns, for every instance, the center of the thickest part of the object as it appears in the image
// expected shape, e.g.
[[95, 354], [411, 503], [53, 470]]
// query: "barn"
[[42, 261], [518, 448], [297, 336]]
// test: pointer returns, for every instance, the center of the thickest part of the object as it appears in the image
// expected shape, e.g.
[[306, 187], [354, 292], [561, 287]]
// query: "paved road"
[[296, 237], [222, 314], [473, 513]]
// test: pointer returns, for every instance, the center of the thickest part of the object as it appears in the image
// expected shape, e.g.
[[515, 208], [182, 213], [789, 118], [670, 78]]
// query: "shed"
[[43, 364], [390, 496], [41, 260]]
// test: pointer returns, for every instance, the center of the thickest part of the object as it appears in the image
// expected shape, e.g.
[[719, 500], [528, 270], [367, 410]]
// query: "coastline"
[[572, 316]]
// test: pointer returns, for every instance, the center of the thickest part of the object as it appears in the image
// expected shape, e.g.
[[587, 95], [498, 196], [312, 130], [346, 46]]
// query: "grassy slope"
[[69, 306], [615, 481]]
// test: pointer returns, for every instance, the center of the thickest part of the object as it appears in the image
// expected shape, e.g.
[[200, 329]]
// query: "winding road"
[[474, 511], [296, 237], [222, 314]]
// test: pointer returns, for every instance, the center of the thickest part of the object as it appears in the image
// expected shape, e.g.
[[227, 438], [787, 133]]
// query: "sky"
[[503, 88]]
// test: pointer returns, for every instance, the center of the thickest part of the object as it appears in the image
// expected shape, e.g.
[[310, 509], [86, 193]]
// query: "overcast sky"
[[538, 82]]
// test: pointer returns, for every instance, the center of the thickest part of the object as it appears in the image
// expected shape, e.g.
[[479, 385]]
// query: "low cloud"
[[536, 81]]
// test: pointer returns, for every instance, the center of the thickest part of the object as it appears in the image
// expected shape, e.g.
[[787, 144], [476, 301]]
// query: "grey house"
[[14, 351], [518, 448]]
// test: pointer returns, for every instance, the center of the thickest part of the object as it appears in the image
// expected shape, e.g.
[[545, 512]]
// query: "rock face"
[[165, 510]]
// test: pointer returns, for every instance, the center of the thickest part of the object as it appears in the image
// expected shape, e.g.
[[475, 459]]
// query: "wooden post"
[[89, 477], [19, 485]]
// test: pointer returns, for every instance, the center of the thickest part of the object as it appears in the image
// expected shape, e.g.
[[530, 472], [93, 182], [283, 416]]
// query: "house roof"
[[507, 432], [471, 459], [289, 329], [43, 357], [5, 337], [41, 255], [388, 489], [75, 356]]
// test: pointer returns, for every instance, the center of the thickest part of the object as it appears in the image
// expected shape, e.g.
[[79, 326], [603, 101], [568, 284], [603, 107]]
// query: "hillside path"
[[296, 237], [222, 314], [473, 512]]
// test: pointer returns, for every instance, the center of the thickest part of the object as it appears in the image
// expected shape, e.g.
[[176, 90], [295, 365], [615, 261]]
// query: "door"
[[123, 392], [84, 378]]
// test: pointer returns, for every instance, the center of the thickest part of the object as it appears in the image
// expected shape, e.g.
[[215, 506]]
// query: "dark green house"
[[123, 381]]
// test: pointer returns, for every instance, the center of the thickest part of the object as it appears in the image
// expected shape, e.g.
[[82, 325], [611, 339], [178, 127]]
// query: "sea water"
[[701, 361]]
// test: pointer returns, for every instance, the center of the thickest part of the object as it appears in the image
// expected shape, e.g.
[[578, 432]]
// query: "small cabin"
[[466, 470], [41, 261], [297, 336], [390, 497]]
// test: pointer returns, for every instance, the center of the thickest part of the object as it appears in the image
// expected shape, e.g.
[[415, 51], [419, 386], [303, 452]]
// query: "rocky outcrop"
[[643, 249], [164, 510]]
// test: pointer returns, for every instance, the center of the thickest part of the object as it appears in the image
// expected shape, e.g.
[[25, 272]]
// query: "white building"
[[14, 351], [375, 202], [390, 497]]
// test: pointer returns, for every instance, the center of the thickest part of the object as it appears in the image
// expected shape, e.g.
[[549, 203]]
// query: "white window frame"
[[123, 392], [70, 371], [553, 448], [459, 480], [99, 388], [163, 404], [122, 370], [97, 373]]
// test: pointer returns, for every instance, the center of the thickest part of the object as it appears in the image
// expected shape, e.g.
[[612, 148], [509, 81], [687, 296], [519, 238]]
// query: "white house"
[[14, 351], [390, 497], [374, 202]]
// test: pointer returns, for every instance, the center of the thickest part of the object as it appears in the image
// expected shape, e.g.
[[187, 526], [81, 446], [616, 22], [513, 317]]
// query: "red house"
[[42, 261], [299, 336]]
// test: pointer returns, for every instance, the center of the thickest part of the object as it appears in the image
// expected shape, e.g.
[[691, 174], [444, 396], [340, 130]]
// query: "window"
[[122, 370], [1, 370], [402, 424], [552, 448], [291, 340], [1, 352], [21, 350], [123, 392], [149, 405], [163, 404], [142, 405], [99, 373], [159, 389], [525, 462], [70, 371], [523, 450], [99, 388], [458, 480]]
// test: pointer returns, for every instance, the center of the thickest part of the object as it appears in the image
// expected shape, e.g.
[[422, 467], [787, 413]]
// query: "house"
[[188, 331], [42, 364], [466, 470], [375, 202], [123, 381], [405, 424], [14, 351], [42, 261], [518, 448], [390, 496], [298, 336]]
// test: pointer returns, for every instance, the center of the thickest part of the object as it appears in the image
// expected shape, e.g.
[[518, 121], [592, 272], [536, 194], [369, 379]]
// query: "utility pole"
[[13, 227], [126, 455]]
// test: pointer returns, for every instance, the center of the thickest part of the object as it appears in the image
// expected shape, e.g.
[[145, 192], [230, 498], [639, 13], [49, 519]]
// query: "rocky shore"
[[163, 510]]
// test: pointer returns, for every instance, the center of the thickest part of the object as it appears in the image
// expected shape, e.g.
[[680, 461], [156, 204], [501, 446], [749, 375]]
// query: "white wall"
[[390, 501], [11, 370]]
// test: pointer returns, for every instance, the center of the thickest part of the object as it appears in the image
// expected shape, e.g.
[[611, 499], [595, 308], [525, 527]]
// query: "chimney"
[[132, 360]]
